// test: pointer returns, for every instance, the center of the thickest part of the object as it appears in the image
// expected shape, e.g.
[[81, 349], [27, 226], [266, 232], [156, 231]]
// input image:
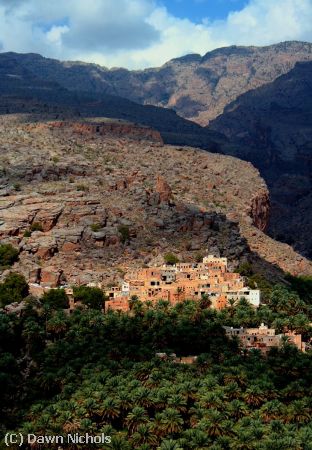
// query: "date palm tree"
[[196, 415], [171, 421], [298, 413], [254, 396], [125, 401], [272, 410], [135, 418], [237, 409], [210, 400], [144, 435], [169, 444], [178, 402], [212, 424], [141, 397], [119, 442], [197, 439], [110, 409]]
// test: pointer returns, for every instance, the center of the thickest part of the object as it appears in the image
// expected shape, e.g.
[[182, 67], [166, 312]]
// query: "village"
[[191, 281], [183, 281]]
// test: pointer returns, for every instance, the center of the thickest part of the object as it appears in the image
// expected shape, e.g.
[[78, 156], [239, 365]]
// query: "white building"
[[251, 295]]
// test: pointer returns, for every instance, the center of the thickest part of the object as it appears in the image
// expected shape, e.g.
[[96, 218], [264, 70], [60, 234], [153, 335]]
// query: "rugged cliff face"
[[198, 88], [84, 206], [102, 127], [271, 126]]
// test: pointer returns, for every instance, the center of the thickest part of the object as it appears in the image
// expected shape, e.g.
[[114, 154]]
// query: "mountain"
[[268, 125], [197, 88], [272, 127], [25, 88], [85, 200]]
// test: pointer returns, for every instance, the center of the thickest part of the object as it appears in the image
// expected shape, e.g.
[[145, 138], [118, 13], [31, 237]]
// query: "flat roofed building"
[[185, 281], [263, 338]]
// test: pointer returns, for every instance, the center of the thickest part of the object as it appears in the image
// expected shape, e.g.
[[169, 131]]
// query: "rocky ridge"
[[84, 207], [196, 87]]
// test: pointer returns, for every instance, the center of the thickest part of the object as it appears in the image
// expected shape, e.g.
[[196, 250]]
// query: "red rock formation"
[[163, 189], [260, 209], [118, 129], [50, 277]]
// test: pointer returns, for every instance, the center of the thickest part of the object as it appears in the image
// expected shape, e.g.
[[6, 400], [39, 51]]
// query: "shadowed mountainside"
[[25, 91], [272, 127]]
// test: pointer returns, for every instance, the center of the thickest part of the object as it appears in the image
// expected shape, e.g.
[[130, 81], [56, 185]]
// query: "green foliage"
[[82, 187], [55, 299], [90, 296], [27, 233], [13, 289], [302, 285], [245, 269], [96, 372], [8, 255], [95, 227], [171, 259], [205, 301], [133, 301], [125, 233], [17, 187], [199, 257], [257, 281], [284, 310], [36, 226]]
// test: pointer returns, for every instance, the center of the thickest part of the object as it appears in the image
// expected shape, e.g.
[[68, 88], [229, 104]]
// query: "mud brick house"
[[263, 338], [183, 281]]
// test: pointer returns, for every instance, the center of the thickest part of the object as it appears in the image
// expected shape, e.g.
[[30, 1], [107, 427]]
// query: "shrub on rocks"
[[8, 255]]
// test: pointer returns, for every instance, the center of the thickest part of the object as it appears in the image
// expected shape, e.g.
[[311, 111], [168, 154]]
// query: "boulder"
[[163, 189], [51, 276]]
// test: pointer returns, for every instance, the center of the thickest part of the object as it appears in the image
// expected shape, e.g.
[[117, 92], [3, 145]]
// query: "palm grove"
[[94, 372]]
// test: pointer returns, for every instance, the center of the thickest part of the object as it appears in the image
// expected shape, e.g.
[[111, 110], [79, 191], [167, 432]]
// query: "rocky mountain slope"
[[197, 88], [271, 127], [84, 200], [31, 83], [24, 89]]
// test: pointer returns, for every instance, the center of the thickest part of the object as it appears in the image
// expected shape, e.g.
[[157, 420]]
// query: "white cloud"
[[54, 35], [262, 22], [141, 33]]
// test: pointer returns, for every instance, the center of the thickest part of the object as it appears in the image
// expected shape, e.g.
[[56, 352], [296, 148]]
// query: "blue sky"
[[198, 10], [144, 33]]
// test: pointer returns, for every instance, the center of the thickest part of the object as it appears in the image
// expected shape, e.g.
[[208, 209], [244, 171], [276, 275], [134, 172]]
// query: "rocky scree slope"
[[272, 127], [84, 206], [197, 88]]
